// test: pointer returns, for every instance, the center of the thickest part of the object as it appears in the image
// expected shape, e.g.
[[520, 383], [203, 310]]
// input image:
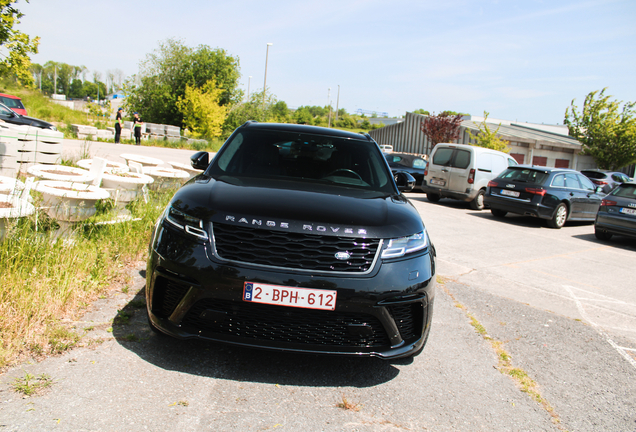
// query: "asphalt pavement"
[[506, 276]]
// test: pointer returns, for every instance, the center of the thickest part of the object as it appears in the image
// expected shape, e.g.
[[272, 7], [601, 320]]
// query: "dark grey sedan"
[[617, 213], [10, 116], [555, 194]]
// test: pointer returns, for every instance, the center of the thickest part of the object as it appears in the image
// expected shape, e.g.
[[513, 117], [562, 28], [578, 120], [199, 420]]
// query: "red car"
[[13, 102]]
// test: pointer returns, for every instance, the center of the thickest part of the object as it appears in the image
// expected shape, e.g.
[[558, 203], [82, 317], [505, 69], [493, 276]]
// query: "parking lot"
[[566, 271], [559, 302]]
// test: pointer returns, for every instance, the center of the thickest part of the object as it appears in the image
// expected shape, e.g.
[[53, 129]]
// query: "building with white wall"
[[545, 145]]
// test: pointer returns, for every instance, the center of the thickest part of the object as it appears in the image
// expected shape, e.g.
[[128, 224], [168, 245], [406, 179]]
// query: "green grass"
[[30, 385], [44, 280]]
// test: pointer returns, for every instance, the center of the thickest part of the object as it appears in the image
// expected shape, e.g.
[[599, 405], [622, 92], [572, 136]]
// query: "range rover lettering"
[[294, 238]]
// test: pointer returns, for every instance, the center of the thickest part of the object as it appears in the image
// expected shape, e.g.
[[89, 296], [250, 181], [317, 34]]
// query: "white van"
[[462, 172]]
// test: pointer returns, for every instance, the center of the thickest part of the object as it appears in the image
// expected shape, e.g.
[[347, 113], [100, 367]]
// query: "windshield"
[[302, 157]]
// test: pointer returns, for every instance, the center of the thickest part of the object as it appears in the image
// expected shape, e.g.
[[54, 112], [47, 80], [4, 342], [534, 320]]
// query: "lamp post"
[[269, 44], [249, 79]]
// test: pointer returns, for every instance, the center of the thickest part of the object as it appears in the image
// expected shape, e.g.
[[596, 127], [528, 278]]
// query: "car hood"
[[36, 122], [306, 211]]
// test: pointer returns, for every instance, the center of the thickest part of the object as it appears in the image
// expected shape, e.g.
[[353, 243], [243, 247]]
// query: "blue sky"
[[519, 60]]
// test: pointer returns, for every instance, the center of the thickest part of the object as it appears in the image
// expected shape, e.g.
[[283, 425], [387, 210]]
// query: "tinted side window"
[[586, 183], [572, 181], [462, 159], [443, 156], [558, 181], [512, 162], [419, 163]]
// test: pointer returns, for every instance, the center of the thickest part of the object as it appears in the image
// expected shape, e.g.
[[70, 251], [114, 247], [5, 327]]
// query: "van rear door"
[[459, 170], [439, 167]]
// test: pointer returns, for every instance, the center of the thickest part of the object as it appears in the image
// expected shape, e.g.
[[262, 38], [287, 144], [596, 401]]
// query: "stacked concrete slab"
[[24, 145], [36, 145], [84, 132], [173, 133], [156, 131], [8, 151]]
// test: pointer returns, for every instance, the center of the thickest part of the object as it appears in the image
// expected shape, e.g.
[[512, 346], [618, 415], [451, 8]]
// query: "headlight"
[[401, 246], [187, 223]]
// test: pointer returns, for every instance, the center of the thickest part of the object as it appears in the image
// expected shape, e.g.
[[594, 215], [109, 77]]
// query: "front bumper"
[[386, 313]]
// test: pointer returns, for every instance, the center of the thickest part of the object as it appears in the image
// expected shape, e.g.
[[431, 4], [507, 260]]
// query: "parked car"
[[412, 164], [555, 194], [386, 148], [608, 180], [10, 116], [462, 172], [617, 213], [294, 238], [14, 103]]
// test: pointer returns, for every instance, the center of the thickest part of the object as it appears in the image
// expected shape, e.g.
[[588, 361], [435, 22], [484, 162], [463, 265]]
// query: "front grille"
[[409, 319], [293, 250], [284, 325], [166, 296]]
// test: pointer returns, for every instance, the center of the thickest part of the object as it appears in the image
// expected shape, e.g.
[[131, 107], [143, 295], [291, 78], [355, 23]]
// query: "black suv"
[[295, 238], [10, 116]]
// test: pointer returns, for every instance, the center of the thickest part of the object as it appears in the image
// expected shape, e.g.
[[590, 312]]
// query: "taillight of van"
[[471, 176]]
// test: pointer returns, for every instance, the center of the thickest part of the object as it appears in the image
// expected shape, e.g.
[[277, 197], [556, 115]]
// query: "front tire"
[[559, 217], [433, 197], [478, 202]]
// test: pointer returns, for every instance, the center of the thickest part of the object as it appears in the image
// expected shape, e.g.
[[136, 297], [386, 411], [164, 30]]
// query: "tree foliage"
[[487, 138], [201, 111], [441, 128], [15, 46], [606, 132], [254, 109], [166, 73]]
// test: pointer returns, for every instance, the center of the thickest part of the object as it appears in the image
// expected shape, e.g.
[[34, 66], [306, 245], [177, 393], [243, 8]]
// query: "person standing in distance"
[[119, 122], [137, 124]]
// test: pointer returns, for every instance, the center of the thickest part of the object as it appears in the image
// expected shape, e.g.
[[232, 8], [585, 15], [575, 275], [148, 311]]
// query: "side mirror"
[[200, 160], [404, 181]]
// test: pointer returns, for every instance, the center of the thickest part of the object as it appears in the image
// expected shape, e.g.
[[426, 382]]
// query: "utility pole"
[[269, 44], [338, 102], [329, 103]]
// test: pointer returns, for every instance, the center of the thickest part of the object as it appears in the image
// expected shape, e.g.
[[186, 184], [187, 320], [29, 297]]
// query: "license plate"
[[510, 193], [287, 296], [438, 182], [628, 211]]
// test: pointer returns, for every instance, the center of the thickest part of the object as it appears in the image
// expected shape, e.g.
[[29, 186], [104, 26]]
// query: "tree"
[[441, 128], [252, 110], [166, 73], [487, 138], [280, 111], [606, 132], [15, 45], [201, 111], [421, 111]]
